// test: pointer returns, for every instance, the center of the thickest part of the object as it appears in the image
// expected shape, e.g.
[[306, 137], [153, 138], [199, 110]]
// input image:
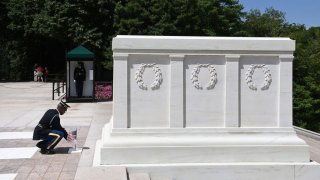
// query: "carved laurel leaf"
[[195, 73], [267, 77], [158, 76]]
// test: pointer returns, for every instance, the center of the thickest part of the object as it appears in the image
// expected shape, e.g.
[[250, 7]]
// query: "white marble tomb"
[[191, 104]]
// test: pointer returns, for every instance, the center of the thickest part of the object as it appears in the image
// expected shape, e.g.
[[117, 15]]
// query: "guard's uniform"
[[79, 75], [49, 130]]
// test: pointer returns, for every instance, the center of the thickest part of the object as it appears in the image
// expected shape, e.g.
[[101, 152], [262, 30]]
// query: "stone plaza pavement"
[[22, 105]]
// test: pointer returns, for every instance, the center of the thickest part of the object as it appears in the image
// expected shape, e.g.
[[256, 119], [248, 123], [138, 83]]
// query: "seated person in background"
[[50, 131]]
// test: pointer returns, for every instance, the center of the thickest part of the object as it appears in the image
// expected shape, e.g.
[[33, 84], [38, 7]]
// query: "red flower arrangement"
[[103, 91]]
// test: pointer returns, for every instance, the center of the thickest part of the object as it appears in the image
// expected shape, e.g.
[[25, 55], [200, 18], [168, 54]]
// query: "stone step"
[[144, 176], [139, 176], [97, 173], [229, 171], [161, 178]]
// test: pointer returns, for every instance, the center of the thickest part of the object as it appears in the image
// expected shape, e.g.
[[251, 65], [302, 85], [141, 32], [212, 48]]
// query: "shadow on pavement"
[[62, 150]]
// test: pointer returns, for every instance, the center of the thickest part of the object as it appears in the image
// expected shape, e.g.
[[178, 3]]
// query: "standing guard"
[[79, 77]]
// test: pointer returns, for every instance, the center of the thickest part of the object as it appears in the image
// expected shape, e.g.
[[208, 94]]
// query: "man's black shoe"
[[43, 151], [39, 145], [47, 151]]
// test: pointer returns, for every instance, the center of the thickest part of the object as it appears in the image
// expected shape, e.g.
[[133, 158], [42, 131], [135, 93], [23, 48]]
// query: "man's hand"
[[70, 137]]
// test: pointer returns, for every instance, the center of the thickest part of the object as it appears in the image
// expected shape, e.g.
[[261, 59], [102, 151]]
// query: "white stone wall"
[[147, 107], [185, 97]]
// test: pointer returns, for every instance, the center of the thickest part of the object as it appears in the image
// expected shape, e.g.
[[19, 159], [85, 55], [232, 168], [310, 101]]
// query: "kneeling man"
[[50, 131]]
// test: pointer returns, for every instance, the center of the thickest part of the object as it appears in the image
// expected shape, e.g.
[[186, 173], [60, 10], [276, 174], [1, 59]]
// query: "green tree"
[[268, 24], [306, 101], [44, 30], [3, 40], [180, 17], [78, 22]]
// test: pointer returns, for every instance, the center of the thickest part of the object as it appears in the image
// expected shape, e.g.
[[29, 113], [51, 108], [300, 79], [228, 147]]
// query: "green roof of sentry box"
[[80, 52]]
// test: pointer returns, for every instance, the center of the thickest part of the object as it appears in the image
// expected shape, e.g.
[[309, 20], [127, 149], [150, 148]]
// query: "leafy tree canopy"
[[180, 17]]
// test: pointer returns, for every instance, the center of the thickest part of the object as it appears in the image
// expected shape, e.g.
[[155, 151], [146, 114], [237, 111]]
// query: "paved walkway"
[[22, 105]]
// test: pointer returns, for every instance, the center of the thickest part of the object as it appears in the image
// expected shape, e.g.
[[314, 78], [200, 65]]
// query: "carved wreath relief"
[[267, 77], [158, 76], [195, 73]]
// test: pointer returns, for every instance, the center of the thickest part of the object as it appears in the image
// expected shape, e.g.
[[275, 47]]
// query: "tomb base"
[[201, 145]]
